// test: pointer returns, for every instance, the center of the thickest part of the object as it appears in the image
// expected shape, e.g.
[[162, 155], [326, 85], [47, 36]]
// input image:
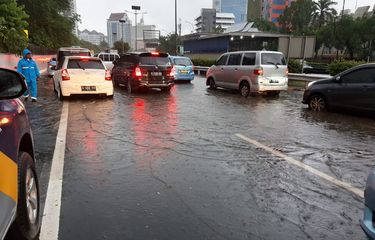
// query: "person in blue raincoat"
[[27, 66]]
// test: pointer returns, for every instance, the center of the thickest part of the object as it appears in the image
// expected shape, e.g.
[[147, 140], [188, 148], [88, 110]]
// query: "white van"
[[108, 59], [250, 72]]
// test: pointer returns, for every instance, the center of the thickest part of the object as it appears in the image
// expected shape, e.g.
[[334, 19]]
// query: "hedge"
[[203, 62], [337, 67], [294, 66]]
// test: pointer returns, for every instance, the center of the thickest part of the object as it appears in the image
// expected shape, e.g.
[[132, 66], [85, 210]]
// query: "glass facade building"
[[237, 7]]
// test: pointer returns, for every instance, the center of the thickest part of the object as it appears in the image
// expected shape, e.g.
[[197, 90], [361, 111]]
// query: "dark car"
[[143, 70], [19, 190], [352, 90], [368, 222]]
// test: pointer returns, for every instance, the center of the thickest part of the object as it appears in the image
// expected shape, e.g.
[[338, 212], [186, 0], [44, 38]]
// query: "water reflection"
[[154, 125]]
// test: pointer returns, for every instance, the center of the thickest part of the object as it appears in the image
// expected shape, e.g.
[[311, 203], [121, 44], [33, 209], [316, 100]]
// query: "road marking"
[[51, 215], [312, 170]]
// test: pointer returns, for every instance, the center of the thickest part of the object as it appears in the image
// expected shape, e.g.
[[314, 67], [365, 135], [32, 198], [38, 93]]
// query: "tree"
[[218, 29], [168, 44], [297, 18], [50, 24], [265, 26], [121, 47], [324, 12], [12, 25], [346, 35], [103, 46]]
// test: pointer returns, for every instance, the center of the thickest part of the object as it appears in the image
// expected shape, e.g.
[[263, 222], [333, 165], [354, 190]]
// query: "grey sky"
[[94, 13]]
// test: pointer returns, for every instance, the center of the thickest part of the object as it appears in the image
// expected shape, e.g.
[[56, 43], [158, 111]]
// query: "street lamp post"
[[136, 9], [175, 26], [122, 35]]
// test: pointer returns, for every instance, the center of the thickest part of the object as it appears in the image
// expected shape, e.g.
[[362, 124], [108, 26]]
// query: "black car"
[[143, 70], [368, 221], [353, 90], [19, 190]]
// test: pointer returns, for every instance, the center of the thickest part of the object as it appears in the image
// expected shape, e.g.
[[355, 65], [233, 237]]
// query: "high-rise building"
[[145, 33], [237, 7], [119, 28], [209, 20], [93, 37], [272, 9]]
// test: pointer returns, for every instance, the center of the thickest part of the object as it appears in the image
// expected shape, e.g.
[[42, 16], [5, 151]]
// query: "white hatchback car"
[[82, 75], [250, 72]]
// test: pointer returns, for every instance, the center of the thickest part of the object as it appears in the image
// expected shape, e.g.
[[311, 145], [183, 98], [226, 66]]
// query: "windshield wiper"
[[275, 64], [80, 66]]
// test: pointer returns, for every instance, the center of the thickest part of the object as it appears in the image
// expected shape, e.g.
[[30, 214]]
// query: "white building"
[[93, 37], [119, 28], [210, 20], [225, 20], [145, 33]]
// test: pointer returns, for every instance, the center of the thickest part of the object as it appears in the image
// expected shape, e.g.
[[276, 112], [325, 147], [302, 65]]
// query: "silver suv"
[[250, 72]]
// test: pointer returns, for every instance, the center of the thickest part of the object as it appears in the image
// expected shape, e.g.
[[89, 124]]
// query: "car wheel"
[[129, 87], [28, 221], [318, 103], [211, 83], [245, 89]]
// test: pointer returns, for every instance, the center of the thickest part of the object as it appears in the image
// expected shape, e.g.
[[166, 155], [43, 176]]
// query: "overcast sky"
[[159, 12]]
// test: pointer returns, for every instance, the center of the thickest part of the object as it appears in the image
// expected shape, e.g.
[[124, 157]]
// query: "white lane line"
[[51, 215], [312, 170]]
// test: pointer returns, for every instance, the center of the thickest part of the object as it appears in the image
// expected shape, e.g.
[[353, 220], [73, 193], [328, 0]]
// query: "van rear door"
[[274, 68]]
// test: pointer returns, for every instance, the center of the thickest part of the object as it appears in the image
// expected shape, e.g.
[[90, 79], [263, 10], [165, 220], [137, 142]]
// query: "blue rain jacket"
[[28, 68]]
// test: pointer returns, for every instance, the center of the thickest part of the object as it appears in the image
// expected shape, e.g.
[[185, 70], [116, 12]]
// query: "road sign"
[[136, 8]]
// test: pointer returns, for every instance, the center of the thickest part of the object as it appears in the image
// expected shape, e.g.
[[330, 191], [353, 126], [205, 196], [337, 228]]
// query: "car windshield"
[[158, 61], [85, 64], [182, 62], [273, 59]]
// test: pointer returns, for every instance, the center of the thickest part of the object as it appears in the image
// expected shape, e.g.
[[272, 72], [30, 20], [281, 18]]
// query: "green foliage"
[[323, 12], [50, 24], [265, 26], [12, 25], [297, 18], [218, 29], [168, 44], [121, 47], [103, 46], [337, 67], [294, 66], [203, 62]]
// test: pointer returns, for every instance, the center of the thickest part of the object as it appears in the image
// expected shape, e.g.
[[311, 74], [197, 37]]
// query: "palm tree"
[[324, 12]]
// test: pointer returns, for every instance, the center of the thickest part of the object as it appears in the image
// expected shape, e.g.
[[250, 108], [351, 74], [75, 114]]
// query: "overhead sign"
[[136, 7]]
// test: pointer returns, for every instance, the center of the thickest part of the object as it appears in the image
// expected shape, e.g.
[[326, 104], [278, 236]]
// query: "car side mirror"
[[12, 84], [338, 79]]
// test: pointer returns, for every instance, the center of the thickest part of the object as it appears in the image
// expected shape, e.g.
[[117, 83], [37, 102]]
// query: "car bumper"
[[367, 223], [183, 77], [155, 85], [105, 89], [267, 88], [306, 96]]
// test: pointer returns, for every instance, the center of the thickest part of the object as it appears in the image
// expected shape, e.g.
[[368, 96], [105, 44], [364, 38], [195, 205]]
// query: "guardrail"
[[292, 76]]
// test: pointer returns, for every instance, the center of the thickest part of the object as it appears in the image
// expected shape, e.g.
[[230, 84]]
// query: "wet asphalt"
[[169, 166]]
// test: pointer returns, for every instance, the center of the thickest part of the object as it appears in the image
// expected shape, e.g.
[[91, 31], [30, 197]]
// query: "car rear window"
[[273, 59], [182, 62], [154, 61], [85, 64]]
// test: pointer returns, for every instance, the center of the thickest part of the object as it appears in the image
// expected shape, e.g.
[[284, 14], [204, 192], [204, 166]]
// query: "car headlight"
[[310, 84]]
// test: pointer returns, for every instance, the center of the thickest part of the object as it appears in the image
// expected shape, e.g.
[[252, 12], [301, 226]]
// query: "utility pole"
[[343, 8], [136, 9], [175, 26]]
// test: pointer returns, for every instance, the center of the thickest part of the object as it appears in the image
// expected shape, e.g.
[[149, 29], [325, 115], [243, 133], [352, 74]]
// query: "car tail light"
[[5, 119], [65, 75], [172, 72], [286, 72], [258, 71], [108, 76], [155, 53], [138, 72]]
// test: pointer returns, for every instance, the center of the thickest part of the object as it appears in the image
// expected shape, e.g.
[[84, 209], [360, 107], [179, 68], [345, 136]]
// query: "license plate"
[[88, 88], [184, 71], [156, 74], [274, 81]]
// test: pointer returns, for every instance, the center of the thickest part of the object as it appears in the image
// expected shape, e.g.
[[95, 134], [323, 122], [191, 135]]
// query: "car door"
[[233, 72], [356, 89], [219, 70]]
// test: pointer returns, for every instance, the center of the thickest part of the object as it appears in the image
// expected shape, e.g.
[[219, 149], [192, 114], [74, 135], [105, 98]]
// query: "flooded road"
[[170, 166]]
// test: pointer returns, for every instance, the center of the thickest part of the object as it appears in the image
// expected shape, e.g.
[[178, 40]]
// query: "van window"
[[249, 59], [116, 57], [273, 59], [235, 59], [85, 64], [111, 58], [222, 60], [101, 56]]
